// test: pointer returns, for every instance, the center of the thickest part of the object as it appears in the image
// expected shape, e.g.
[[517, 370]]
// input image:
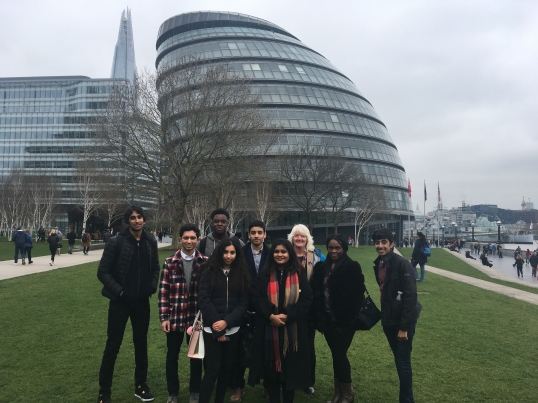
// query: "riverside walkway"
[[41, 263]]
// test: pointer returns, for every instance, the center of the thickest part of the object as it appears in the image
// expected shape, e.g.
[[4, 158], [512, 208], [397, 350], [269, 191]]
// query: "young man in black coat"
[[400, 308], [129, 271]]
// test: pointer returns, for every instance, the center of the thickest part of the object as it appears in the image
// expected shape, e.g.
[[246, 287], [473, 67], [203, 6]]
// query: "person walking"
[[338, 288], [223, 300], [527, 256], [178, 305], [129, 270], [400, 308], [53, 241], [71, 237], [418, 256], [534, 262], [19, 239], [281, 353], [29, 245], [519, 265], [86, 241]]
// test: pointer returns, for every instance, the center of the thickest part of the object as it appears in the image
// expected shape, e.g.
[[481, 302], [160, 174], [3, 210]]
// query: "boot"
[[337, 392], [348, 396]]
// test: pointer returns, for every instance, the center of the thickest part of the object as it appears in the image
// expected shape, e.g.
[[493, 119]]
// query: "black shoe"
[[103, 399], [309, 391], [143, 393]]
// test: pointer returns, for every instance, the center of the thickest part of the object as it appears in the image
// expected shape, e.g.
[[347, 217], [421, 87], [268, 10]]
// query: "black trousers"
[[52, 253], [339, 345], [29, 253], [274, 388], [118, 314], [218, 361], [173, 343]]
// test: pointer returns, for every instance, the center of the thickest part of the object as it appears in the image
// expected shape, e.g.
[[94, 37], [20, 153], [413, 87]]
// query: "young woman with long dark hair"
[[281, 296], [338, 286], [223, 299]]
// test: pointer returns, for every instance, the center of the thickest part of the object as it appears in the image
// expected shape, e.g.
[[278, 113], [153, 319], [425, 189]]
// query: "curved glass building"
[[300, 90]]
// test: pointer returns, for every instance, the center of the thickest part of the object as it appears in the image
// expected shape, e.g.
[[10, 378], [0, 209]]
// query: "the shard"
[[124, 65]]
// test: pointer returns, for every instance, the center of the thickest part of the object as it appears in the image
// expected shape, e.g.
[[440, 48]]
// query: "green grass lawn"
[[471, 345]]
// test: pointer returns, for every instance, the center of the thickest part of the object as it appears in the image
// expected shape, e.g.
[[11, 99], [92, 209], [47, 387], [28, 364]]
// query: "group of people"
[[275, 298]]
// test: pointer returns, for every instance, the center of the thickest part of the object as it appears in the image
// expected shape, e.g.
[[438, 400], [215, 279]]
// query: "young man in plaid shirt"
[[178, 305]]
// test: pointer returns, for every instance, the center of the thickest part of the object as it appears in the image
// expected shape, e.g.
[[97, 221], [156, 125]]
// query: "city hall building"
[[301, 91]]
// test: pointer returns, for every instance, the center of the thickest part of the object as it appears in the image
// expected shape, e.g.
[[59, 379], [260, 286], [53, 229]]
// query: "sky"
[[455, 82]]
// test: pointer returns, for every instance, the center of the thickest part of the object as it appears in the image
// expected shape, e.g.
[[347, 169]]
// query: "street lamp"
[[443, 227], [455, 231], [499, 231], [472, 230]]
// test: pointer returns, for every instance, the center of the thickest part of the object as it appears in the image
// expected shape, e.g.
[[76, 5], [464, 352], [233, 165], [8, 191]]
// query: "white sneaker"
[[51, 263], [15, 263]]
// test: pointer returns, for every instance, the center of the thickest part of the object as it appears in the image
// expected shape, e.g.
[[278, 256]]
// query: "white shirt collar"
[[187, 257]]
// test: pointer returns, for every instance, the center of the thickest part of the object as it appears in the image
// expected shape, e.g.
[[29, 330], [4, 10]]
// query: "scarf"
[[272, 338]]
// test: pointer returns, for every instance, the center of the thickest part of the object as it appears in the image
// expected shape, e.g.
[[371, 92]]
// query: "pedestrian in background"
[[53, 241], [418, 257], [29, 245], [19, 238]]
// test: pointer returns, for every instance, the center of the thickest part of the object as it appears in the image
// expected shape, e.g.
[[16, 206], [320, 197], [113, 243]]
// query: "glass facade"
[[43, 126], [301, 91], [124, 65]]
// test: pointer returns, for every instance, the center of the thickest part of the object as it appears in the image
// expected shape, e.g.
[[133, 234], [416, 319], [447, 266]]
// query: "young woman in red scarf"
[[281, 296]]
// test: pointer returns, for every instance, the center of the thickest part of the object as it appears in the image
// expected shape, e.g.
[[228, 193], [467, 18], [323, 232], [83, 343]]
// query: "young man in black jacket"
[[400, 308], [129, 271]]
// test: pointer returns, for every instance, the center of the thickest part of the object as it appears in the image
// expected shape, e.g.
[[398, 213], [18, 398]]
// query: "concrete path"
[[41, 263]]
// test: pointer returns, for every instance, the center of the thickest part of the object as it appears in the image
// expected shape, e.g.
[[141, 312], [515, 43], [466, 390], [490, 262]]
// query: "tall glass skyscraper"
[[43, 122], [301, 90], [124, 65]]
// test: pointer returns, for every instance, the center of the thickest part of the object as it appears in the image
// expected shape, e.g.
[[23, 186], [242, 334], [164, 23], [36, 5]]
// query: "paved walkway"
[[486, 285], [41, 263]]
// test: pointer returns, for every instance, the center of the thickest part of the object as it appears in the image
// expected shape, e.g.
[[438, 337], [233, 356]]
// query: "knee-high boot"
[[337, 392], [348, 396]]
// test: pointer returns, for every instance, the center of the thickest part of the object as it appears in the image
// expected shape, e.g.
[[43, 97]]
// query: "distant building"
[[43, 121]]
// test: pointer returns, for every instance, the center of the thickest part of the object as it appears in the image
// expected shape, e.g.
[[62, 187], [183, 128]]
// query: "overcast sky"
[[455, 82]]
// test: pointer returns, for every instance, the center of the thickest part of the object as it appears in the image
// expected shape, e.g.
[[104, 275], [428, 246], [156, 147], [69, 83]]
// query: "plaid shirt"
[[175, 303]]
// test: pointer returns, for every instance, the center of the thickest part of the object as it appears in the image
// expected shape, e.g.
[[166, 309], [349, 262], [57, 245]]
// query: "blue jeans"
[[22, 249], [421, 269], [402, 359]]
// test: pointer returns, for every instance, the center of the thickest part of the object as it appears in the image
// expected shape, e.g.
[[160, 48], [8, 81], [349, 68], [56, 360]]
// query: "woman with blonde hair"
[[308, 256]]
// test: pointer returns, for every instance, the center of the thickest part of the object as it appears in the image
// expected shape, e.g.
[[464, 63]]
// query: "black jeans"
[[274, 389], [402, 358], [237, 378], [173, 343], [339, 344], [52, 253], [218, 361], [118, 314], [29, 253]]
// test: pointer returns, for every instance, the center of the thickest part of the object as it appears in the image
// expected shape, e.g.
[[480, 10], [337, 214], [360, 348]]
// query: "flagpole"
[[424, 204]]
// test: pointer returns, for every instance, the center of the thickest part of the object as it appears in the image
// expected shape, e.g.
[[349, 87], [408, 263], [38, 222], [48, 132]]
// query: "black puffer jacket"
[[346, 293], [400, 277], [116, 261], [221, 302]]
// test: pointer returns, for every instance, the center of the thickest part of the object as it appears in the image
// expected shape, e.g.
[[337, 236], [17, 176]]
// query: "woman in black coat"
[[281, 296], [418, 257], [53, 240], [223, 299], [338, 286]]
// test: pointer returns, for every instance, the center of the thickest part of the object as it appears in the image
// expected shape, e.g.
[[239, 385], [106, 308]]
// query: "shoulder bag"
[[368, 315]]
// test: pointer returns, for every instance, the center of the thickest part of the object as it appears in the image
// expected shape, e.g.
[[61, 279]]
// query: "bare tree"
[[263, 201], [14, 200], [90, 189], [370, 201], [43, 196], [175, 127]]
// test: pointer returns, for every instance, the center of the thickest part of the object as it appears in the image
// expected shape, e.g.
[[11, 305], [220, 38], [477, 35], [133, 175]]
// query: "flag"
[[409, 187], [425, 193], [531, 224]]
